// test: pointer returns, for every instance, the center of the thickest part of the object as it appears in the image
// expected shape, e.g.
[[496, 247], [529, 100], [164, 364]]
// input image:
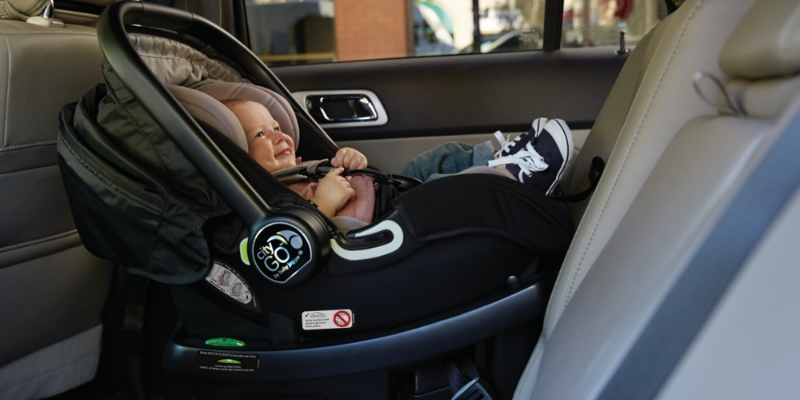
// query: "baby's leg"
[[448, 158]]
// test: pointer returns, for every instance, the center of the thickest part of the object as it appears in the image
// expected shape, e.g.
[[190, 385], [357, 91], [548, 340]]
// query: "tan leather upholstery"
[[766, 45], [21, 9], [663, 100], [651, 100], [51, 288], [697, 175], [605, 296]]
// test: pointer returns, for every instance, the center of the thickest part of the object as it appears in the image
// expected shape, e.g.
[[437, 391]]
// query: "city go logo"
[[275, 255], [280, 252]]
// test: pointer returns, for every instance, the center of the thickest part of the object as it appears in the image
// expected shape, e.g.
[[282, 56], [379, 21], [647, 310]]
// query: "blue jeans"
[[447, 159]]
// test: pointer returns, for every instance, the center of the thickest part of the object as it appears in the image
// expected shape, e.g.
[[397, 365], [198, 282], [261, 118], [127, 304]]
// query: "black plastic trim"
[[240, 26], [553, 21], [79, 7], [372, 354]]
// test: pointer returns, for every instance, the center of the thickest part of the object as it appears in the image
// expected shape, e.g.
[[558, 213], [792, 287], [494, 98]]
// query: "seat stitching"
[[8, 83], [8, 90], [574, 276], [30, 144], [17, 33]]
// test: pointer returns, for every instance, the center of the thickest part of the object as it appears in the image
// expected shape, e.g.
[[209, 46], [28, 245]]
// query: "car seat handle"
[[287, 243]]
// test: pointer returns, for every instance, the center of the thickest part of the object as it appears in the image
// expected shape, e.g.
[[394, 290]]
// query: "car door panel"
[[469, 94]]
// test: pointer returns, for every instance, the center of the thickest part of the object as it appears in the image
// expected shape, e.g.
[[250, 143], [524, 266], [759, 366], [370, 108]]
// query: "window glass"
[[209, 9], [285, 32], [605, 19], [288, 32]]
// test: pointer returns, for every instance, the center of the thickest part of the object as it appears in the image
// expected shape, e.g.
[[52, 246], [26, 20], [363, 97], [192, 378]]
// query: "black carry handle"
[[595, 172], [196, 145], [265, 223]]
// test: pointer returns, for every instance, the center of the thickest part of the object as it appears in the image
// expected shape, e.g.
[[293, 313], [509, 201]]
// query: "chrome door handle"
[[341, 108]]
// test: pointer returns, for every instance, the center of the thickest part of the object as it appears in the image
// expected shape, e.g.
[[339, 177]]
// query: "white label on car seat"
[[229, 282], [327, 319]]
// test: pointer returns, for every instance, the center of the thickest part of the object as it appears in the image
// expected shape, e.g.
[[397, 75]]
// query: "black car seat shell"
[[455, 253]]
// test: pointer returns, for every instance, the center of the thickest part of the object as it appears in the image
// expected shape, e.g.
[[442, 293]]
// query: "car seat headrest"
[[766, 43], [205, 108], [279, 107], [175, 63]]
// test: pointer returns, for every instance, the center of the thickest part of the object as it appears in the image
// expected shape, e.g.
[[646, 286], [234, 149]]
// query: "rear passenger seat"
[[649, 102], [51, 289], [617, 274]]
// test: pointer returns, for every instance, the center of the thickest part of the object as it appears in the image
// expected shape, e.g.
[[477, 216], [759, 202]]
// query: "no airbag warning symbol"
[[342, 319], [327, 319]]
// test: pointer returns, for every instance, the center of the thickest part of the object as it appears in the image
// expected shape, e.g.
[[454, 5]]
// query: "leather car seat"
[[52, 290], [649, 219], [650, 100]]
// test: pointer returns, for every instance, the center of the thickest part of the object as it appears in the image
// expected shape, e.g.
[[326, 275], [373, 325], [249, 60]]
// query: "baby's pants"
[[447, 159]]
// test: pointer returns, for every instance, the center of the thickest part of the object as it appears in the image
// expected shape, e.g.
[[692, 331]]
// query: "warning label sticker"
[[229, 282], [327, 319], [215, 361]]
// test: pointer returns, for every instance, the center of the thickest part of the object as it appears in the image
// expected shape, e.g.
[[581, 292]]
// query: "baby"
[[537, 159], [333, 195]]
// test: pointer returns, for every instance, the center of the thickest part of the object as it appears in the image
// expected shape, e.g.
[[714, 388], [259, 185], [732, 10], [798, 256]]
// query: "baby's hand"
[[349, 158], [333, 192]]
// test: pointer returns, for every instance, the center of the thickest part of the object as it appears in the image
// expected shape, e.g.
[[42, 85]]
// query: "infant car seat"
[[160, 185]]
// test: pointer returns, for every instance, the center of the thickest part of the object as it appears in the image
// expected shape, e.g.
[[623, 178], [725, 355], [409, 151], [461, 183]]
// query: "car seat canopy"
[[176, 63]]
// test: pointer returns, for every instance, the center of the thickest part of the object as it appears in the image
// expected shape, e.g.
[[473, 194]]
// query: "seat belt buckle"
[[476, 389]]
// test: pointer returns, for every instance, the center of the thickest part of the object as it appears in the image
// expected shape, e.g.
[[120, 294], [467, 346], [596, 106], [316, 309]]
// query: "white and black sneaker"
[[540, 159], [508, 147]]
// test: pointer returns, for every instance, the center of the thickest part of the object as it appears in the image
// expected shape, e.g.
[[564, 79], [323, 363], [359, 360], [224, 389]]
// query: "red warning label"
[[342, 319], [327, 319]]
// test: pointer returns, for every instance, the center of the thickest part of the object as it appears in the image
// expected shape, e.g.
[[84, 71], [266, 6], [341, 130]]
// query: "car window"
[[289, 32], [605, 19], [209, 9]]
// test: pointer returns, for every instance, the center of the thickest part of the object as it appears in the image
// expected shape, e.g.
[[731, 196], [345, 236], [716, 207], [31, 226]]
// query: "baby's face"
[[270, 147]]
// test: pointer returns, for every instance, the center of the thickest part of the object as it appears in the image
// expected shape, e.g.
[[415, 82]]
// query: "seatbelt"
[[465, 382], [697, 291], [595, 172]]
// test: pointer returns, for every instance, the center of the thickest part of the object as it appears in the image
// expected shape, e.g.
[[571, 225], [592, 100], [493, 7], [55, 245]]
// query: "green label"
[[224, 342], [228, 361]]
